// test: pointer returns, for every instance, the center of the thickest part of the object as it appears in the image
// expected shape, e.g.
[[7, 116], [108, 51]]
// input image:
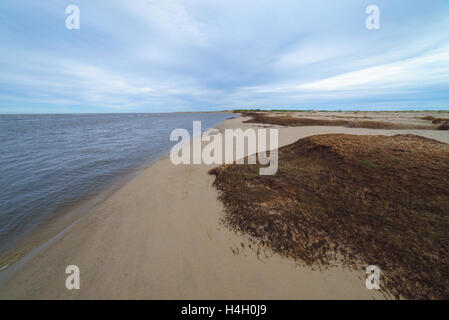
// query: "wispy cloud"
[[152, 55], [428, 69]]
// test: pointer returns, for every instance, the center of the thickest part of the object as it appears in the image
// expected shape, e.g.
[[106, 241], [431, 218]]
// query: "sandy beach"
[[160, 237]]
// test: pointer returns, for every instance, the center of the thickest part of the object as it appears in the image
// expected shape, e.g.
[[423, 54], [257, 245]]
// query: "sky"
[[207, 55]]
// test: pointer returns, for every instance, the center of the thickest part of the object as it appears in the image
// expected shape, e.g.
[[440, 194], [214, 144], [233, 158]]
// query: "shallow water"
[[48, 162]]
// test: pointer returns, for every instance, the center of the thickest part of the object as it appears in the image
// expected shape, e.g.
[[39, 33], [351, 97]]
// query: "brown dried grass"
[[359, 200], [299, 122]]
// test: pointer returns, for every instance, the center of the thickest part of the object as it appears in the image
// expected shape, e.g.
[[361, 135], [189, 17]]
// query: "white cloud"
[[309, 52], [170, 17], [202, 53], [427, 69], [430, 68]]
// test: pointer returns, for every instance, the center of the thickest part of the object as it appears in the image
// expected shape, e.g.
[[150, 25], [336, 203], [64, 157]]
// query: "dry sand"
[[159, 237]]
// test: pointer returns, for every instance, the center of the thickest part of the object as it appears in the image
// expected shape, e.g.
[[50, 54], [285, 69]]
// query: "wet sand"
[[159, 237]]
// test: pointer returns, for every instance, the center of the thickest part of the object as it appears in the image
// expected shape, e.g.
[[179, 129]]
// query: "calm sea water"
[[50, 161]]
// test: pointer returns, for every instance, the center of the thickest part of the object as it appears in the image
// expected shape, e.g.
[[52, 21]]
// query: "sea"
[[52, 162]]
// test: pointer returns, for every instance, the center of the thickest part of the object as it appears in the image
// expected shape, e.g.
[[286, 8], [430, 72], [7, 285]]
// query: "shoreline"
[[158, 236], [67, 216], [63, 219]]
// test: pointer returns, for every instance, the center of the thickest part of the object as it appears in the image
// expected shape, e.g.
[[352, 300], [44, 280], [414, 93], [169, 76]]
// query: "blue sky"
[[175, 55]]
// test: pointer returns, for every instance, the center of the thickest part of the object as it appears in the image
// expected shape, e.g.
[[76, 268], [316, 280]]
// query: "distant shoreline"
[[441, 110]]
